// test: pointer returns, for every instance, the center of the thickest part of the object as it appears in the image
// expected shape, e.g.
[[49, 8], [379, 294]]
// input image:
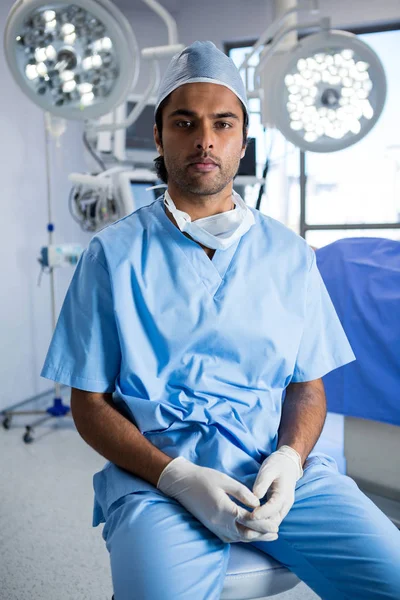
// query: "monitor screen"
[[142, 196], [139, 135], [248, 163]]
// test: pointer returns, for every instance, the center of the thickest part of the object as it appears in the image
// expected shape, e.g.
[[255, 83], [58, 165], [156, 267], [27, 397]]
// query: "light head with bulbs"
[[326, 93], [77, 60]]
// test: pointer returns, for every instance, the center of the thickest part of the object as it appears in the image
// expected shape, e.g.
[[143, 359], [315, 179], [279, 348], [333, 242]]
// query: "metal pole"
[[303, 186], [281, 8], [50, 229]]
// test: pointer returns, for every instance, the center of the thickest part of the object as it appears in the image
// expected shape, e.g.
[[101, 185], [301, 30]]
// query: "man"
[[194, 335]]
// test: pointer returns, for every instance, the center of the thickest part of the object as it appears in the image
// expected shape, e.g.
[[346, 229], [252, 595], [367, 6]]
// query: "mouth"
[[203, 167]]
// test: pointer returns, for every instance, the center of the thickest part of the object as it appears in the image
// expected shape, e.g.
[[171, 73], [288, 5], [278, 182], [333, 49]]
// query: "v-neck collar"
[[211, 271]]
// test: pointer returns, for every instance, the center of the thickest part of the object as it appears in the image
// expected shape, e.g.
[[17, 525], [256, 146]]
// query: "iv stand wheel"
[[28, 437], [7, 422]]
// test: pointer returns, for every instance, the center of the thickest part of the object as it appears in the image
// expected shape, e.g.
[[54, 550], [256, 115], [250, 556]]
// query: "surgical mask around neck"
[[217, 231]]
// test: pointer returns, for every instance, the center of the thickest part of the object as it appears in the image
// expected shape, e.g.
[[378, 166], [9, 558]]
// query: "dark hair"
[[159, 161]]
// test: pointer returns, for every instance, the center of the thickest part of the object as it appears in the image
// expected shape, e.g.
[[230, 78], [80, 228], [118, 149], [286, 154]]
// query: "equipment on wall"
[[325, 92], [98, 200], [92, 200]]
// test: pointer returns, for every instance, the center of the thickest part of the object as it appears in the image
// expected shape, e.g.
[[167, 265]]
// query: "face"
[[202, 137]]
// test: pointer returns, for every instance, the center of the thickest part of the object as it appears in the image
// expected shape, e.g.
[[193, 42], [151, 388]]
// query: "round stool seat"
[[252, 574]]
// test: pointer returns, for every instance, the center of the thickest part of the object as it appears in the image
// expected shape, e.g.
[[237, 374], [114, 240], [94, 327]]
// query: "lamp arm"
[[167, 18], [322, 24], [137, 110], [273, 29]]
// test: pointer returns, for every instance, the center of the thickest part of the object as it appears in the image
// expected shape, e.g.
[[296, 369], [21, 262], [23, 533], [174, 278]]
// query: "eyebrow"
[[191, 113]]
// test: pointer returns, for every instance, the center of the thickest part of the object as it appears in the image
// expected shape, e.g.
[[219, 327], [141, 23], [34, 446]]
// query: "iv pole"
[[58, 409]]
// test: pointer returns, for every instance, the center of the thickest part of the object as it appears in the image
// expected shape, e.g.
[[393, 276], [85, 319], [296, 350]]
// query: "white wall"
[[25, 318], [226, 21]]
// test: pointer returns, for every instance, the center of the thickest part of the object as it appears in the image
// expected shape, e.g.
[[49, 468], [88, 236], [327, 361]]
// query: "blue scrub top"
[[197, 352]]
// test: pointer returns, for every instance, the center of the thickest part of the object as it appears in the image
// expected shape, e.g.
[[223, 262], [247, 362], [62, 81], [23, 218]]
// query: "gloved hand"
[[204, 493], [278, 475]]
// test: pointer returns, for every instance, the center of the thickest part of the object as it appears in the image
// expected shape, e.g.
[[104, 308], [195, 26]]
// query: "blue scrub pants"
[[334, 538]]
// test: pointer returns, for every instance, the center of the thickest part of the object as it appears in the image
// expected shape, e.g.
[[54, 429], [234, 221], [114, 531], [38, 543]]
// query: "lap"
[[336, 539], [159, 550]]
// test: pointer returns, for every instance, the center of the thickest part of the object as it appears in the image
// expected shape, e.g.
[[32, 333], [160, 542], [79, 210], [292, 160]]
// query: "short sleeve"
[[324, 345], [85, 352]]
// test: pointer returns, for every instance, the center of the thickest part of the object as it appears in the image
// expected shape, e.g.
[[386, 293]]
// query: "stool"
[[253, 575]]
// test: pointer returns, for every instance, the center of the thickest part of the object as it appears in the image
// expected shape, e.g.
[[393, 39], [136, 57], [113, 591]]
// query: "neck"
[[199, 207]]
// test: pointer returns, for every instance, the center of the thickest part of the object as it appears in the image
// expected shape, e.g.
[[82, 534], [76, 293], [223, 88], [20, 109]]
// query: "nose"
[[205, 137]]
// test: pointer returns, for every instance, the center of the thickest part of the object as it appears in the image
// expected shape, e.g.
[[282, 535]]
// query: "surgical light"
[[326, 93], [77, 60]]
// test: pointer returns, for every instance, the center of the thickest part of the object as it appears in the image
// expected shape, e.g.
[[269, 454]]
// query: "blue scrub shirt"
[[196, 352]]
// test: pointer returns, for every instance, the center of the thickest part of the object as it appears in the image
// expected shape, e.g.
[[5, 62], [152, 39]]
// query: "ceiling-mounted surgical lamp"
[[79, 60], [325, 93], [76, 60]]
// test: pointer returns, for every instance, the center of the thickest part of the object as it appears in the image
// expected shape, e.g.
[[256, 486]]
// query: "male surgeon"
[[194, 336]]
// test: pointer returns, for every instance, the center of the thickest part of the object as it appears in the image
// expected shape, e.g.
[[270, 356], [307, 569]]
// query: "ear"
[[244, 147], [157, 141]]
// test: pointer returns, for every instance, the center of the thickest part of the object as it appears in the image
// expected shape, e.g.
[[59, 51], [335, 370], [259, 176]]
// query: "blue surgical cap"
[[201, 62]]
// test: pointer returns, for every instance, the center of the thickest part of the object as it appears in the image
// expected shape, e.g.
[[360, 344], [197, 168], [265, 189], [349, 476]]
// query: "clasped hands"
[[205, 493], [278, 476]]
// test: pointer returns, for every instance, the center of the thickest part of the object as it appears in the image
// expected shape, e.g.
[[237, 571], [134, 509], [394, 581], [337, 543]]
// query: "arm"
[[303, 416], [109, 433]]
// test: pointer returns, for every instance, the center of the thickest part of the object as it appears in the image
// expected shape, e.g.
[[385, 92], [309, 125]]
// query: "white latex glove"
[[204, 493], [278, 475]]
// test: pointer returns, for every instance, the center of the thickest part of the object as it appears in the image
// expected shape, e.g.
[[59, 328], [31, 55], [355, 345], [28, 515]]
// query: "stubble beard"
[[197, 184]]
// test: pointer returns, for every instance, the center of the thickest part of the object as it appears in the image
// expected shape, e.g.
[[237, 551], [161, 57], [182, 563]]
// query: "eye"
[[223, 125], [183, 124]]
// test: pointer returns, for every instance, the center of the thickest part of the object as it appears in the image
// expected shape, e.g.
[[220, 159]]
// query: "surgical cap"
[[201, 62]]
